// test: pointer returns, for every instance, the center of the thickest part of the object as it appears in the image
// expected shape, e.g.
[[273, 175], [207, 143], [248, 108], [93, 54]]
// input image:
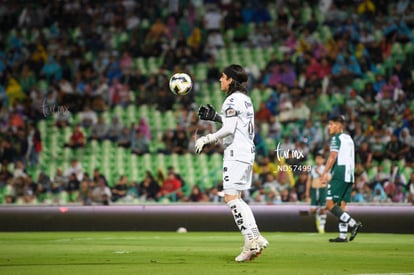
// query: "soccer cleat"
[[338, 240], [249, 252], [354, 230], [262, 242]]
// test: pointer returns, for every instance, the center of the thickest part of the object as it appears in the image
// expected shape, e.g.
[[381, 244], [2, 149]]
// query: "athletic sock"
[[337, 211], [243, 216], [343, 216], [317, 220], [322, 221], [343, 230]]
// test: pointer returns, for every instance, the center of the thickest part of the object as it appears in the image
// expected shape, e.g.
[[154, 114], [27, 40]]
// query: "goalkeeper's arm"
[[228, 128], [209, 113]]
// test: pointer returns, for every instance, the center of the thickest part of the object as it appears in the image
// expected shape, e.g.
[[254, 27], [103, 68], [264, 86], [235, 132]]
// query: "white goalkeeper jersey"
[[239, 145]]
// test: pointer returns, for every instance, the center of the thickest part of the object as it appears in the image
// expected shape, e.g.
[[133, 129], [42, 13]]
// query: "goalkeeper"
[[237, 133]]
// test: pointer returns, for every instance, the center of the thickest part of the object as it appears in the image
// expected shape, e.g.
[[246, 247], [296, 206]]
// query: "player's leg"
[[343, 226], [337, 196], [322, 211], [242, 214], [314, 208], [236, 177], [246, 223]]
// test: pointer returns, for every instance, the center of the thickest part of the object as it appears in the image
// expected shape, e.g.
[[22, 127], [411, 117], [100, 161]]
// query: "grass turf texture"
[[200, 253]]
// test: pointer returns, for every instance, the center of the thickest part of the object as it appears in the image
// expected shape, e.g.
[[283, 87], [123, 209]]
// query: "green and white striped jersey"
[[344, 166]]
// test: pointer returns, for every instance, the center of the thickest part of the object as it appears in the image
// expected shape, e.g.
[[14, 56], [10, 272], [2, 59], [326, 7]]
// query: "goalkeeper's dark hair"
[[239, 76]]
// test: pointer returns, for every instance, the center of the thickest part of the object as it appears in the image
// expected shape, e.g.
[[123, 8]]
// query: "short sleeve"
[[335, 144]]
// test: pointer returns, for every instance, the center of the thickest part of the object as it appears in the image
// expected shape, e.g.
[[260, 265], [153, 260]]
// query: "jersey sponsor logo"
[[230, 112], [238, 218]]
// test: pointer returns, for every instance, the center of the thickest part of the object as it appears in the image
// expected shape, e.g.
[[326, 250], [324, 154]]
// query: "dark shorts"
[[339, 191], [318, 197]]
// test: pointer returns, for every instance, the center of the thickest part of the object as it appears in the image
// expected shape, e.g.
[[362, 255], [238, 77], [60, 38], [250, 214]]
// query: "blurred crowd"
[[64, 58]]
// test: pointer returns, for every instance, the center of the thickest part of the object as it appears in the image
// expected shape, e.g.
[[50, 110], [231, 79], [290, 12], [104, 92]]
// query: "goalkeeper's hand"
[[200, 142], [207, 112]]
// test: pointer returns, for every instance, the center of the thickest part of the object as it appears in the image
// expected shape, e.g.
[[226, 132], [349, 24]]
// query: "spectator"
[[58, 184], [118, 93], [34, 149], [378, 149], [77, 139], [394, 149], [263, 114], [148, 187], [21, 144], [212, 19], [98, 175], [144, 128], [167, 141], [410, 189], [43, 186], [29, 195], [72, 187], [171, 170], [214, 195], [213, 72], [300, 186], [170, 189], [115, 130], [101, 194], [180, 141], [300, 112], [378, 194], [408, 144], [75, 168], [19, 170], [120, 189], [125, 138], [270, 182], [99, 130], [5, 176], [196, 195], [87, 117], [364, 155], [139, 144], [361, 176], [85, 191], [100, 95], [62, 118]]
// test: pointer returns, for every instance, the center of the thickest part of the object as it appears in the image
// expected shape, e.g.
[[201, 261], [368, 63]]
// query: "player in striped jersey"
[[341, 164]]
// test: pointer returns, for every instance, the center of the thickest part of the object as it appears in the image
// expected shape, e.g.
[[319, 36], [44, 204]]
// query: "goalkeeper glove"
[[208, 113], [200, 142]]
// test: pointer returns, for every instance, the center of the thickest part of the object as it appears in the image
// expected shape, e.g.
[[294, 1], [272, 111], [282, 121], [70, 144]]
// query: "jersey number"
[[250, 129]]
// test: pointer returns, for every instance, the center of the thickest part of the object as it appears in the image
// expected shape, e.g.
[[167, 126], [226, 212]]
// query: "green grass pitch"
[[201, 253]]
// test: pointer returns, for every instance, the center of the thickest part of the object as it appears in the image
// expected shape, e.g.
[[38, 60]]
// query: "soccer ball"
[[180, 84]]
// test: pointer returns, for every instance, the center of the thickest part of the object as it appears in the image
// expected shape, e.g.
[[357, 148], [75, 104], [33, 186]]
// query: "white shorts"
[[237, 175]]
